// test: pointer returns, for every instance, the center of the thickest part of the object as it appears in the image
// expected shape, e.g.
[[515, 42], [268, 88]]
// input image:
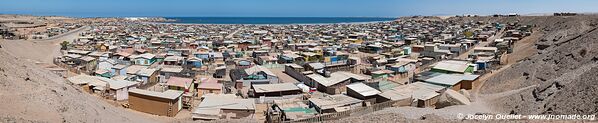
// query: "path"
[[232, 34], [42, 50]]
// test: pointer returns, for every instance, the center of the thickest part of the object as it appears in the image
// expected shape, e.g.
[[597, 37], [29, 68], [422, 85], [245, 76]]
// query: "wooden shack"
[[167, 103]]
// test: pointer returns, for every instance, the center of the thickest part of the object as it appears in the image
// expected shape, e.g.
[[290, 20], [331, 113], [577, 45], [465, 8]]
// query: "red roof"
[[209, 83], [179, 81]]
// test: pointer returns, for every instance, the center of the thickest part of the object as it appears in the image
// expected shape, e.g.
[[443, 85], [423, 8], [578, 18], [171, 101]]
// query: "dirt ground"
[[39, 51]]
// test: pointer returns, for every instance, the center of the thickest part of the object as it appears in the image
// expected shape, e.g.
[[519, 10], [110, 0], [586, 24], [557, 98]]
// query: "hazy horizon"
[[288, 8]]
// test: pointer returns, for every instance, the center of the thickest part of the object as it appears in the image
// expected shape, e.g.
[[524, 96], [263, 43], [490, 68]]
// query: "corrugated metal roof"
[[179, 82], [146, 56], [258, 68], [418, 90], [264, 88], [169, 94], [213, 104], [335, 78], [453, 66], [450, 79], [83, 79], [334, 101], [133, 69], [445, 79], [363, 89], [146, 72]]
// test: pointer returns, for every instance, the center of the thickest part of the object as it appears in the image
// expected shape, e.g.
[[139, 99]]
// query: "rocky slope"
[[564, 71]]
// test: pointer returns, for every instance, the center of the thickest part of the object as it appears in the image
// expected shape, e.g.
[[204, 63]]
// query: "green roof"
[[301, 109], [469, 69]]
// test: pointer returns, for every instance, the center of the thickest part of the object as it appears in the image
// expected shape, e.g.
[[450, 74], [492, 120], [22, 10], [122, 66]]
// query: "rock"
[[456, 97], [542, 46], [465, 93]]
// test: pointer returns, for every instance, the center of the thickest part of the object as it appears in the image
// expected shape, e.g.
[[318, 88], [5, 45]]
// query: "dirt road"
[[40, 51]]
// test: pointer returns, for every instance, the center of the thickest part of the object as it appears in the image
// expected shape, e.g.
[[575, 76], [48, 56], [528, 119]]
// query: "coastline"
[[178, 22], [343, 23]]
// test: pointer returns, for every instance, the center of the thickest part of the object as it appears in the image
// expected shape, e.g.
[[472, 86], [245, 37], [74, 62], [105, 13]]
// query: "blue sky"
[[288, 8]]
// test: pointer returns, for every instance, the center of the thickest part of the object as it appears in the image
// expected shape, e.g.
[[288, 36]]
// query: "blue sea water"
[[275, 20]]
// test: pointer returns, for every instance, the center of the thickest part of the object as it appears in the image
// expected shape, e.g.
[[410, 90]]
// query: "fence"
[[352, 112], [268, 100]]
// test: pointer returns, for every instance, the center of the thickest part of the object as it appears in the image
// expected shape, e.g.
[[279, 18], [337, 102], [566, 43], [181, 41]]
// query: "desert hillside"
[[562, 75], [29, 93]]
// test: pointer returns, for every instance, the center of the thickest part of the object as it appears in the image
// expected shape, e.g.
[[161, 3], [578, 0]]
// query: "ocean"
[[275, 20]]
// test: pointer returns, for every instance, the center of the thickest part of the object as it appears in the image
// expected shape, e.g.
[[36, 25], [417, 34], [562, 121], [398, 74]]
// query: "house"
[[289, 110], [335, 83], [89, 63], [173, 60], [216, 56], [133, 69], [119, 69], [118, 89], [122, 58], [417, 94], [381, 74], [86, 82], [148, 75], [219, 106], [203, 55], [310, 56], [243, 64], [195, 62], [290, 58], [167, 71], [453, 66], [432, 51], [106, 64], [297, 72], [279, 89], [453, 81], [254, 75], [266, 60], [103, 73], [208, 86], [363, 92], [180, 84], [316, 67], [145, 59], [485, 53], [334, 103], [403, 66], [259, 53], [167, 103], [219, 72]]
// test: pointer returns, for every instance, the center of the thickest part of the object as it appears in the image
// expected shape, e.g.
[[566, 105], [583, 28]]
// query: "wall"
[[201, 92], [296, 74], [281, 93], [457, 86], [334, 89], [153, 105], [467, 85]]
